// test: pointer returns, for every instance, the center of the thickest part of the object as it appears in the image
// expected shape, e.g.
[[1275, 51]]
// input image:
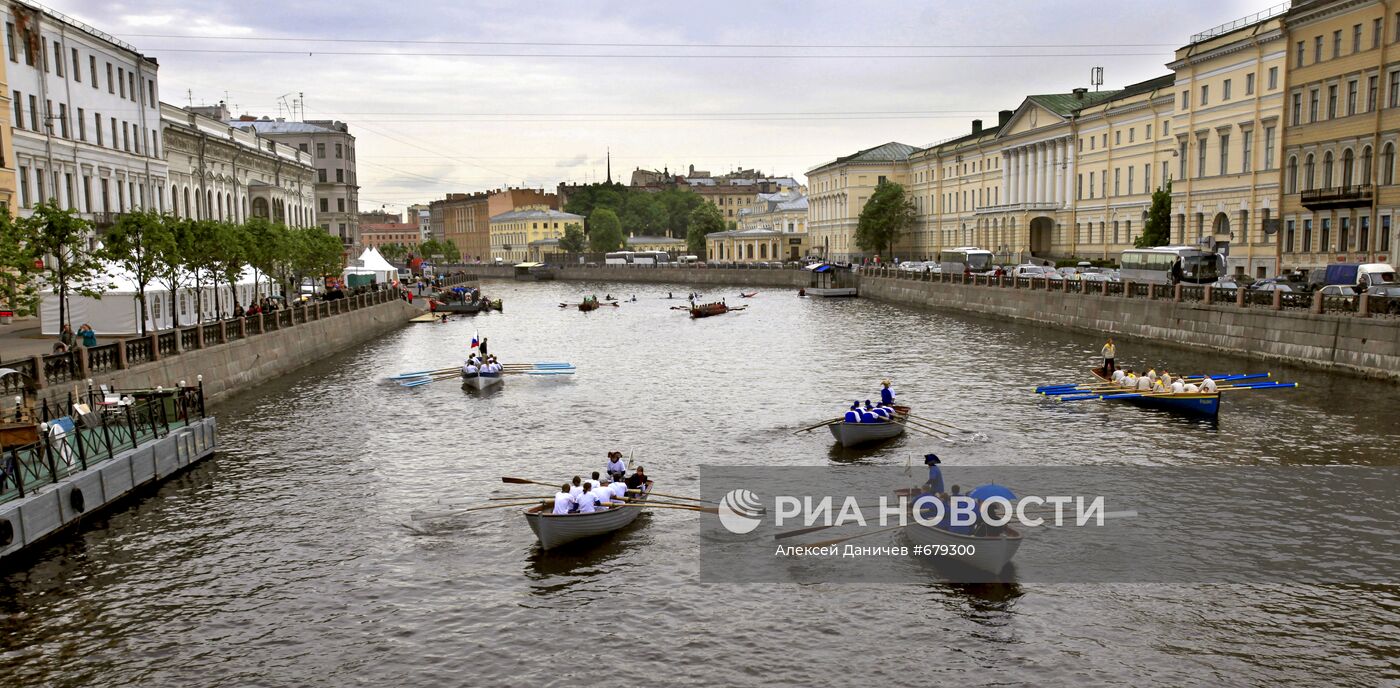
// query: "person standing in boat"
[[1109, 352], [886, 394], [483, 347], [563, 501], [616, 468], [934, 485]]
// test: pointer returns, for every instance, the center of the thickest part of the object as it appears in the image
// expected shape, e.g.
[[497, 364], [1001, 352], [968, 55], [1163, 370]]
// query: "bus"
[[618, 258], [652, 258], [964, 260], [1172, 265]]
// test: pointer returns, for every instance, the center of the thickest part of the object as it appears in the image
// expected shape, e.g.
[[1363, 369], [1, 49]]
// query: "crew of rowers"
[[610, 489], [1164, 383], [873, 414], [477, 365]]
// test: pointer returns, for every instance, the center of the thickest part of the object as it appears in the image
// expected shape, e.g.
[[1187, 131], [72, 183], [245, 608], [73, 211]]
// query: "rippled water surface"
[[289, 559]]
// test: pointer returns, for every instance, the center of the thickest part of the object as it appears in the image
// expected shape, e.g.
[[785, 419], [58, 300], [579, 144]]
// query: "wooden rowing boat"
[[588, 305], [479, 381], [990, 554], [1198, 404], [706, 310], [854, 434], [554, 530]]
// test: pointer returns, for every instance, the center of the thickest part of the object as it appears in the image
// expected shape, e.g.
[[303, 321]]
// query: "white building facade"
[[86, 117]]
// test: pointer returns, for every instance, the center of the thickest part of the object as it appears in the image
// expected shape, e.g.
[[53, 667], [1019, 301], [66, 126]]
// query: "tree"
[[574, 240], [138, 243], [704, 220], [188, 258], [644, 215], [70, 268], [605, 231], [266, 246], [1157, 231], [317, 254], [884, 218], [679, 204], [19, 279], [583, 201], [393, 251]]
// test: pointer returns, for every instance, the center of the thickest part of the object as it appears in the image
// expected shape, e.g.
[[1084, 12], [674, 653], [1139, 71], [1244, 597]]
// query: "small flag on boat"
[[476, 341]]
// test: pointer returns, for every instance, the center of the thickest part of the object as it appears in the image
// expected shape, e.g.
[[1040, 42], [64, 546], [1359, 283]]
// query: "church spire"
[[609, 164]]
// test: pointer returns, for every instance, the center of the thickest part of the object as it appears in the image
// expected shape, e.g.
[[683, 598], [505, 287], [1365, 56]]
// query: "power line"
[[780, 46], [664, 56]]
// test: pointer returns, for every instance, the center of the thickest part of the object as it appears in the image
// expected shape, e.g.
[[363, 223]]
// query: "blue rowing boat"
[[1200, 404]]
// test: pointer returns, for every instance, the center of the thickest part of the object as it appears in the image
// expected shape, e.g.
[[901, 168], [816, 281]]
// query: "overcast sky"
[[429, 123]]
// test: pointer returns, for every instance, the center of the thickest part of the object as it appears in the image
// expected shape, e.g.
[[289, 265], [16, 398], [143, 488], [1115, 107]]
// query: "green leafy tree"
[[266, 246], [731, 225], [70, 267], [679, 204], [644, 215], [393, 251], [605, 231], [1157, 231], [704, 220], [137, 244], [602, 195], [186, 261], [574, 240], [317, 255], [884, 219], [19, 279]]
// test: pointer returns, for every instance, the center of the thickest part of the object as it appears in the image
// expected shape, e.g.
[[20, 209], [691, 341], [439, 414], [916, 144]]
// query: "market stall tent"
[[118, 311]]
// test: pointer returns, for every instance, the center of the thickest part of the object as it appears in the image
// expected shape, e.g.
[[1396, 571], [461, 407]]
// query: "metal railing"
[[1227, 27]]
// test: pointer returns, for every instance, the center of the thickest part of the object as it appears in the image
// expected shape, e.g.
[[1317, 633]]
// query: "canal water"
[[289, 559]]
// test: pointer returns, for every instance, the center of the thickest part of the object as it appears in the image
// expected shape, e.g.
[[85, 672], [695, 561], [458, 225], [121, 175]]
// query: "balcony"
[[1353, 196], [1029, 206]]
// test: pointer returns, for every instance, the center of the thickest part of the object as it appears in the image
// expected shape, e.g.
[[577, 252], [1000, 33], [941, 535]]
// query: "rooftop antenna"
[[1096, 77], [189, 96]]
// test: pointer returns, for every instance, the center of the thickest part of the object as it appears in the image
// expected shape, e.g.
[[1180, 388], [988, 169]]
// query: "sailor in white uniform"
[[1178, 386], [563, 501], [1144, 384], [575, 489], [1208, 386], [1118, 376], [585, 499], [603, 494], [470, 367], [619, 490]]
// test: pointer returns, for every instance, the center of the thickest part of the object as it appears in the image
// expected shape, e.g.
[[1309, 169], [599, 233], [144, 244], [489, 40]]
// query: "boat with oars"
[[481, 381], [1198, 403], [855, 434], [705, 310], [554, 530]]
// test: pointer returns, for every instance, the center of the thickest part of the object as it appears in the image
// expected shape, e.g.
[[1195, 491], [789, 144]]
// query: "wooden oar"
[[913, 423], [837, 541], [916, 428], [701, 509], [426, 515], [1126, 394], [820, 425], [671, 496], [939, 422]]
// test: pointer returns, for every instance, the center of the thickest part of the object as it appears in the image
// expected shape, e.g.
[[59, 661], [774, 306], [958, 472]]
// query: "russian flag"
[[476, 341]]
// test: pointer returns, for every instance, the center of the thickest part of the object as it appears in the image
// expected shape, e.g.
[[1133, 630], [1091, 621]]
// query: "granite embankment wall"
[[699, 276], [1365, 346]]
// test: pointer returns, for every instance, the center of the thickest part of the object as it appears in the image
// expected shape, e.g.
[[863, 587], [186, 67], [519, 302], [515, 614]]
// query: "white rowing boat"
[[852, 434], [479, 381], [989, 554], [554, 530]]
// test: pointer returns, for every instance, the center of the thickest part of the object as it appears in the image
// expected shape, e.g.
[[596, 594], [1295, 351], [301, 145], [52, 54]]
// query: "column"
[[1013, 194], [1060, 172], [1005, 178], [1070, 176], [1046, 169], [1034, 194], [1024, 192]]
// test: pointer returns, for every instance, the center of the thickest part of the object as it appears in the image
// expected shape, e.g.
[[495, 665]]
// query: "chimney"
[[976, 126], [1079, 93], [1003, 117]]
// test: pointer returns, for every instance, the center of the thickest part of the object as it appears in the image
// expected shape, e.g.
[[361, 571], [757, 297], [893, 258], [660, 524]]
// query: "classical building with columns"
[[838, 190]]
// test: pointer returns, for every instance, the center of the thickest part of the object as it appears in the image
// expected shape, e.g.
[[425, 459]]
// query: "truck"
[[1361, 275]]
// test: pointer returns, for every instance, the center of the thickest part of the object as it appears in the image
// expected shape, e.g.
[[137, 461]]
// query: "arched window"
[[175, 201], [219, 204], [260, 207], [1308, 173], [228, 203], [1292, 174], [1348, 161], [1327, 170], [1365, 166], [187, 202], [1388, 164]]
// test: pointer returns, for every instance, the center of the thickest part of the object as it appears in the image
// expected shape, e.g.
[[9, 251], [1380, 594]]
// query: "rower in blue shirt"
[[886, 394], [867, 415], [879, 412], [853, 413]]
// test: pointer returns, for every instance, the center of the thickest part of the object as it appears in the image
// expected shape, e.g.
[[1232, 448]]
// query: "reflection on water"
[[288, 559]]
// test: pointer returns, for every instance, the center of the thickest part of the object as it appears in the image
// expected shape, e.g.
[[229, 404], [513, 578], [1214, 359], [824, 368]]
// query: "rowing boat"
[[852, 434], [706, 310], [480, 381], [554, 530], [984, 553], [1199, 404]]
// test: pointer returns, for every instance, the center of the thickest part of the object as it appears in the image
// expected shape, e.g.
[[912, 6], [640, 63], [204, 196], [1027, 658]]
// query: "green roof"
[[1065, 104]]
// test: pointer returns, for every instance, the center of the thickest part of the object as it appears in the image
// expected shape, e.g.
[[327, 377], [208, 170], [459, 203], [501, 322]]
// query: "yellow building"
[[7, 147], [1341, 129], [512, 232], [757, 245], [838, 190], [1228, 116]]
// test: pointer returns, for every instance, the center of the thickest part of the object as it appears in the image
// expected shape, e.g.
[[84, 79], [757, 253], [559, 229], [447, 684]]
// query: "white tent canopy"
[[118, 311], [372, 263]]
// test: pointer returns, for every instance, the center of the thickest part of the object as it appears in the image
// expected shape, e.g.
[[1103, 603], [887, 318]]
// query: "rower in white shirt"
[[1118, 376], [1208, 386], [563, 501], [1178, 386], [470, 367], [576, 489], [619, 490], [603, 494], [1144, 384], [1192, 389], [585, 499]]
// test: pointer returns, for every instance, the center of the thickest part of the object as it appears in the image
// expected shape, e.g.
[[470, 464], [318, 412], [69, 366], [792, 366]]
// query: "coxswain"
[[563, 501], [586, 501], [886, 394], [483, 347], [638, 480], [853, 413], [1208, 386], [1109, 352], [934, 486], [616, 468]]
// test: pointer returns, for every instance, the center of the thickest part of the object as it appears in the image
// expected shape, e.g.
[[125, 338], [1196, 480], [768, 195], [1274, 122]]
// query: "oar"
[[451, 502], [421, 373], [544, 372], [911, 422], [837, 541], [818, 425], [939, 422], [671, 496], [1138, 395], [525, 481], [701, 509], [426, 515], [1070, 389], [918, 428]]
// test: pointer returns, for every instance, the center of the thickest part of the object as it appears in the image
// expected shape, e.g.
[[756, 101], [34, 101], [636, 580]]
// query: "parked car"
[[1093, 277], [1274, 286], [1389, 295], [1226, 283], [1346, 293], [1031, 271]]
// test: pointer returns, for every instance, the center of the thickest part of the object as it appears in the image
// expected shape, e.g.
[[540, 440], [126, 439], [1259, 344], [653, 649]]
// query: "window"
[[1288, 235], [1273, 78], [92, 70], [1299, 59], [1332, 102], [151, 89], [121, 82], [321, 152], [1118, 138], [1147, 132], [1079, 187], [1091, 185], [126, 137], [1366, 165], [302, 147], [1372, 86], [1130, 181], [1225, 90], [1117, 179], [340, 176], [1395, 89], [1336, 44], [1317, 49], [1246, 150], [1385, 232], [321, 176], [1363, 237], [1313, 100], [1307, 235], [1388, 164], [1325, 240], [1356, 38], [1376, 33], [1249, 84], [339, 152], [1146, 177], [1351, 97], [1268, 148], [131, 85], [1181, 160], [1292, 176], [1348, 163], [77, 67], [63, 120], [1201, 157], [1308, 173], [97, 126], [340, 205], [58, 59], [1297, 109], [1092, 141], [111, 86], [1224, 153], [10, 44], [1185, 100], [23, 187], [33, 113], [1205, 95], [1327, 170], [19, 110]]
